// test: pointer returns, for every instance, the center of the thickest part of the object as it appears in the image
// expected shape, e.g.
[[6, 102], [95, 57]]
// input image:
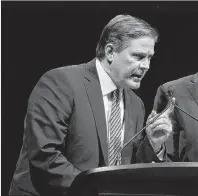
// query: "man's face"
[[129, 66]]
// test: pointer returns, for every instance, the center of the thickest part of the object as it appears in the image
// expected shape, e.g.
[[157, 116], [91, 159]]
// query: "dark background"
[[38, 36]]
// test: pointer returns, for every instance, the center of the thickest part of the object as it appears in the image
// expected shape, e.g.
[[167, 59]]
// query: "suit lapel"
[[128, 131], [128, 116], [94, 94], [193, 88]]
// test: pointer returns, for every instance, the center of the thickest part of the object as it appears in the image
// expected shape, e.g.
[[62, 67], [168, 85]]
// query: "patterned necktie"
[[115, 130]]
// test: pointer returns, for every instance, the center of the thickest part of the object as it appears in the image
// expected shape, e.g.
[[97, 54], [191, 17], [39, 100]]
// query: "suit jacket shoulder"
[[59, 79], [179, 84], [69, 73]]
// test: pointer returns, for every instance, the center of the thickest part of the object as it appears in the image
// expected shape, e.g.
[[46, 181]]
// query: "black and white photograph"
[[99, 98]]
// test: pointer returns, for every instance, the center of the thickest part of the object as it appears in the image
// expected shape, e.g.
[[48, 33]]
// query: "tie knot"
[[116, 94]]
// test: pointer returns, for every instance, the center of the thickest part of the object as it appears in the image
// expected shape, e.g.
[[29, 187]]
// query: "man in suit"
[[182, 145], [80, 116]]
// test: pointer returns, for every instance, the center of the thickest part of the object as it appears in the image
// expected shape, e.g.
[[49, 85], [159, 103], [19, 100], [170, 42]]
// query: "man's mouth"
[[136, 76]]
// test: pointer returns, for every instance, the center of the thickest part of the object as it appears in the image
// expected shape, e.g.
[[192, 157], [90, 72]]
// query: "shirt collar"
[[106, 83]]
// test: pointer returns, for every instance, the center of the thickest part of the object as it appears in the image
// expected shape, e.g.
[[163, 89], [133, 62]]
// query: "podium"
[[145, 179]]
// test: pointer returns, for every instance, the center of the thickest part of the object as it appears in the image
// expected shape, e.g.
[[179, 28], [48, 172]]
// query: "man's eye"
[[139, 57]]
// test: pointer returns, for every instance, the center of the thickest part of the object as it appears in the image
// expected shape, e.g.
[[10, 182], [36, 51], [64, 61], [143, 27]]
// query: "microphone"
[[169, 94], [118, 161]]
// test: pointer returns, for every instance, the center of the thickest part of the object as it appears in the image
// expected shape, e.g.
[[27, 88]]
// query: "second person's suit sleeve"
[[46, 125]]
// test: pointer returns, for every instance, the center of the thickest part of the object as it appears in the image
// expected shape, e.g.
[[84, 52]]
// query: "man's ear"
[[109, 52]]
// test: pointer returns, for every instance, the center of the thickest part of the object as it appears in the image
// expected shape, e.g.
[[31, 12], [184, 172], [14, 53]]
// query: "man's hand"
[[159, 131]]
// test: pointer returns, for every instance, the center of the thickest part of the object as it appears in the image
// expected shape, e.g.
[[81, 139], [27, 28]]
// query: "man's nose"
[[145, 64]]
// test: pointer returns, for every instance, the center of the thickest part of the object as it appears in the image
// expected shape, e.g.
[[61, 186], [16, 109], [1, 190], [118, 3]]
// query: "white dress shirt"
[[107, 86]]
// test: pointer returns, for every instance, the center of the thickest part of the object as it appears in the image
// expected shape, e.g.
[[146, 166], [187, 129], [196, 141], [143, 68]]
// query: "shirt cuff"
[[160, 154]]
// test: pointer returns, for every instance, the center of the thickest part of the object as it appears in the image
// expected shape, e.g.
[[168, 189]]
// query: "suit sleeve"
[[49, 110]]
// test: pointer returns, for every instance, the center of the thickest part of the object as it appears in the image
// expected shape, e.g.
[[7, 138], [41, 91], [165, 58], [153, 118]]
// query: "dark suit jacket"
[[183, 143], [65, 131]]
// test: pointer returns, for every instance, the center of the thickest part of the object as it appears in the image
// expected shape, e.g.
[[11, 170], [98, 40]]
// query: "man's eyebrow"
[[142, 54]]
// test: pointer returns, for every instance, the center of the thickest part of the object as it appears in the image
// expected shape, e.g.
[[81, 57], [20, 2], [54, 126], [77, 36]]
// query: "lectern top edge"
[[143, 166]]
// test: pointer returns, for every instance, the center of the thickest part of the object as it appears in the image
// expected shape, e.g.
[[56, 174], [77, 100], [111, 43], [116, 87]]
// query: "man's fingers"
[[170, 109], [153, 113], [160, 139], [159, 130], [151, 116], [161, 121], [159, 134], [162, 127]]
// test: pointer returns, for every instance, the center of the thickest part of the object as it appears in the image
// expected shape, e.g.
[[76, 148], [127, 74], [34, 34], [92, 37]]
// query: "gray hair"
[[120, 30]]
